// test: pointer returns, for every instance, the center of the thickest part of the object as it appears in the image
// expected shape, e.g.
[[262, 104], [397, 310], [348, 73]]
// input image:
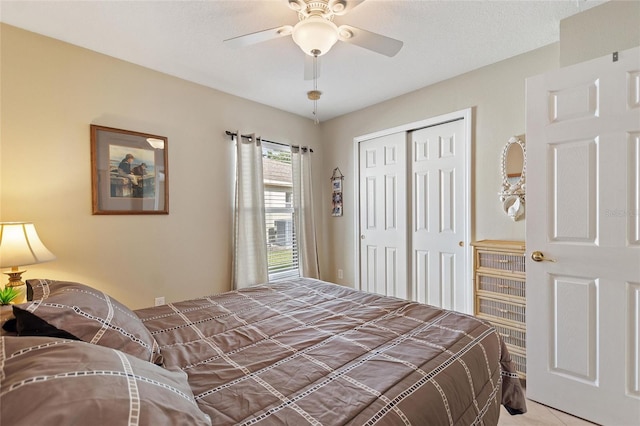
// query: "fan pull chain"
[[315, 87], [315, 112], [314, 94]]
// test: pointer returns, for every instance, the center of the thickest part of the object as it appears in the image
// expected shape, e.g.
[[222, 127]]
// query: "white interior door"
[[383, 221], [439, 203], [583, 201]]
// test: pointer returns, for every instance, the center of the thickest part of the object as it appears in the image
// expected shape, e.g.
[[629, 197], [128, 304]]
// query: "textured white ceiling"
[[442, 39]]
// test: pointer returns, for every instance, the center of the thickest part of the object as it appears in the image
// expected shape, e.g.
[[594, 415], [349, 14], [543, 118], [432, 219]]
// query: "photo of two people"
[[132, 172]]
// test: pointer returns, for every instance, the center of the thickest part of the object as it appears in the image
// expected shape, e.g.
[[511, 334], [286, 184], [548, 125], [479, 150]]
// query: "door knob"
[[362, 237], [538, 256]]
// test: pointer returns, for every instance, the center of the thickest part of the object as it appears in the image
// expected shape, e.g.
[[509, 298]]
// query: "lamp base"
[[15, 281]]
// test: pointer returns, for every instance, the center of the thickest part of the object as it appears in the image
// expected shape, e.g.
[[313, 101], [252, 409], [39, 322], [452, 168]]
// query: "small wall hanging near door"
[[336, 192]]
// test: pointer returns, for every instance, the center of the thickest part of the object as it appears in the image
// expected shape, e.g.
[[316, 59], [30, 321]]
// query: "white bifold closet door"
[[413, 215], [383, 215], [439, 204]]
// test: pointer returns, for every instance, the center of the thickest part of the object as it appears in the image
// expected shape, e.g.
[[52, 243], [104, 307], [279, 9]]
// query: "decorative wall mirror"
[[514, 166]]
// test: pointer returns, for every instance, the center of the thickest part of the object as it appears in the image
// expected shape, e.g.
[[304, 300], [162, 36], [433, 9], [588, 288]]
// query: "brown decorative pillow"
[[73, 310], [48, 381]]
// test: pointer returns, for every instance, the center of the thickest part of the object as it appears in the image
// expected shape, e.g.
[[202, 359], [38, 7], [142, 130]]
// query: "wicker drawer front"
[[500, 294], [507, 286], [520, 362], [497, 309], [507, 262], [512, 336]]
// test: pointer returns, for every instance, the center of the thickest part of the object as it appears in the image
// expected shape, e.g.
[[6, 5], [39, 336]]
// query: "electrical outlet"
[[340, 274], [159, 301]]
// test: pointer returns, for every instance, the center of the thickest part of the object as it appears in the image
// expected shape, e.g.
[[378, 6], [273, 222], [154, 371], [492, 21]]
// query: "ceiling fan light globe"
[[315, 33]]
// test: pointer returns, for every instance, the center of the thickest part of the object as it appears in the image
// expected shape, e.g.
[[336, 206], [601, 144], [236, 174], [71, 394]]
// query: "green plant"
[[7, 294]]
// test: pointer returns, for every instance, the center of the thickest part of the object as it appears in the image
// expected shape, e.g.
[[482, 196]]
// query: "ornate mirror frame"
[[512, 194]]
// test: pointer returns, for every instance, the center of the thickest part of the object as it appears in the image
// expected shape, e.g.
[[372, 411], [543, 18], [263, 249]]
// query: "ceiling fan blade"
[[308, 67], [259, 37], [341, 7], [376, 42]]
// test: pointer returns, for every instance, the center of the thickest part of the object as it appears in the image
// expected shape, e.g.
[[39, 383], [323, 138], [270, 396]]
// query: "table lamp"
[[19, 246]]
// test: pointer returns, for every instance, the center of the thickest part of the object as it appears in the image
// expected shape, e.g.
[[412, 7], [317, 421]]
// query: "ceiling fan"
[[315, 33]]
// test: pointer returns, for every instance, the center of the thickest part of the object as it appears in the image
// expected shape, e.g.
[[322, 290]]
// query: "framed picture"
[[129, 172], [336, 183]]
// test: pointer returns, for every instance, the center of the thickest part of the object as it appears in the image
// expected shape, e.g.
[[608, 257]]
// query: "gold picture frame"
[[129, 172]]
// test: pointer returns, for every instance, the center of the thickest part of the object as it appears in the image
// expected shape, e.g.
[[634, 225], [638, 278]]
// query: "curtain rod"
[[234, 134]]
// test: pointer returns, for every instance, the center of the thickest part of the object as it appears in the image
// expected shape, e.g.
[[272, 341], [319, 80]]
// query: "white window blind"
[[282, 250]]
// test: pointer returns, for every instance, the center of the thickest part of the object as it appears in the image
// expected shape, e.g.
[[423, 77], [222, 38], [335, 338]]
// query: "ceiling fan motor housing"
[[326, 8]]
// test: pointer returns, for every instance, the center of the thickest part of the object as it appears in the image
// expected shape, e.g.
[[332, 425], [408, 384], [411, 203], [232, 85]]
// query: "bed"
[[291, 352]]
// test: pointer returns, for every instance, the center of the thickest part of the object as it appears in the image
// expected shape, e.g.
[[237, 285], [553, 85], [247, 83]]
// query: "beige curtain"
[[250, 244], [303, 214]]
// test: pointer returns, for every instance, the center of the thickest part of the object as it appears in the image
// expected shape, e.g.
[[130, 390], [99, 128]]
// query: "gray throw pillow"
[[73, 310], [51, 381]]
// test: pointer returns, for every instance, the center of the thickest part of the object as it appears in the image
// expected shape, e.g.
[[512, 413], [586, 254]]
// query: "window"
[[282, 250]]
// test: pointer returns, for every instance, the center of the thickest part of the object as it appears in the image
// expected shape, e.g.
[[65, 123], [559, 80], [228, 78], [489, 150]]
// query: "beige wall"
[[51, 92], [497, 95], [610, 27]]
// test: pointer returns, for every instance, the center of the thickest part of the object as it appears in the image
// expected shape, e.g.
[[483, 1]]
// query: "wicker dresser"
[[499, 293]]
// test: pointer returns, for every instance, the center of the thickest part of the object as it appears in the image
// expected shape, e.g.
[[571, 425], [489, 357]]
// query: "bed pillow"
[[49, 381], [7, 321], [76, 311]]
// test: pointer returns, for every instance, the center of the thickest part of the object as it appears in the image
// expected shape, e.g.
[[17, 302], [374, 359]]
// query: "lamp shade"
[[315, 34], [20, 245]]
